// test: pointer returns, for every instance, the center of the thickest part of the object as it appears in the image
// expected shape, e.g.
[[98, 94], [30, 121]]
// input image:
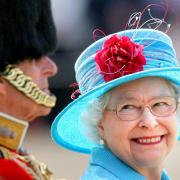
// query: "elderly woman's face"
[[145, 141]]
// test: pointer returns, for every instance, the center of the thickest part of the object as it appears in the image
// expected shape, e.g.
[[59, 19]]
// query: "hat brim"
[[67, 128]]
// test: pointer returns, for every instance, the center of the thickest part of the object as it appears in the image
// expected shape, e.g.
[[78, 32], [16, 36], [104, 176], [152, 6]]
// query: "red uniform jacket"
[[10, 170]]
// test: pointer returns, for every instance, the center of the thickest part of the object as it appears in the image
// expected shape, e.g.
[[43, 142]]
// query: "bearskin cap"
[[27, 30]]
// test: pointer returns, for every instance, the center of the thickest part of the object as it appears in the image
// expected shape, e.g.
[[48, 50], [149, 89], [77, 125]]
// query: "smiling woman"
[[145, 140], [126, 116]]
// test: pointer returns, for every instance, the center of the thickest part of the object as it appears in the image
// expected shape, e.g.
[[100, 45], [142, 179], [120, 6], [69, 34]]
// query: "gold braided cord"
[[23, 83]]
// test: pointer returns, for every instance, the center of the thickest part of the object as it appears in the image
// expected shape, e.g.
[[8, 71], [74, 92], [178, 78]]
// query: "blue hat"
[[107, 63]]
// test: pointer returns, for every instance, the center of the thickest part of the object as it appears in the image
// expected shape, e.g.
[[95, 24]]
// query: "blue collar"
[[104, 158]]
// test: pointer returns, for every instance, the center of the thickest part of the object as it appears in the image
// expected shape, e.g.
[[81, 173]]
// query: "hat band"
[[24, 83]]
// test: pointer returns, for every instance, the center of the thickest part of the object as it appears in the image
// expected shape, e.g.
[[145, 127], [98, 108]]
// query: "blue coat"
[[104, 165]]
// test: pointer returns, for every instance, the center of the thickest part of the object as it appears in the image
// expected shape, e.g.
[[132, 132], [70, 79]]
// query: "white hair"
[[92, 116], [94, 113]]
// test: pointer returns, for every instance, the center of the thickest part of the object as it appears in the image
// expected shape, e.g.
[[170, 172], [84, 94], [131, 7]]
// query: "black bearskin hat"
[[26, 30]]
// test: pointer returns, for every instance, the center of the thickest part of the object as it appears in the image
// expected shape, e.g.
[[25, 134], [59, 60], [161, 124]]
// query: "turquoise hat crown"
[[158, 52]]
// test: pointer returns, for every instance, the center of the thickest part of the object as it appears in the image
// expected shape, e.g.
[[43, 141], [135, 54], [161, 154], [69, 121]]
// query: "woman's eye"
[[160, 104], [127, 108]]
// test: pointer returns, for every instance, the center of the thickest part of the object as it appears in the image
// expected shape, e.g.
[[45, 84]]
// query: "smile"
[[149, 140]]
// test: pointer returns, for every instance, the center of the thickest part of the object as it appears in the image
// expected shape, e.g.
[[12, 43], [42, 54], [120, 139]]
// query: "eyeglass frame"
[[142, 108]]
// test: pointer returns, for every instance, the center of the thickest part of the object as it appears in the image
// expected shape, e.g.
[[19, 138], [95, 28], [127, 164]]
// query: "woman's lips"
[[148, 140]]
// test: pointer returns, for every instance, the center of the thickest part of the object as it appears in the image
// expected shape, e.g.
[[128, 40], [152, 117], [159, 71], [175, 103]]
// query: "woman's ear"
[[101, 129], [2, 86]]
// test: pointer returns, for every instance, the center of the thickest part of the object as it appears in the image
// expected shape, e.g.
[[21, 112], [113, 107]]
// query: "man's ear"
[[2, 86]]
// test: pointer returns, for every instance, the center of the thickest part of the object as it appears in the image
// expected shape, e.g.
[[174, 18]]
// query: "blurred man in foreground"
[[27, 37]]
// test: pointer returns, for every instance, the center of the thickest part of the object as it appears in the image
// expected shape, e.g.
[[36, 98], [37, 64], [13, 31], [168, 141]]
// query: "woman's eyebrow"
[[134, 97], [127, 97]]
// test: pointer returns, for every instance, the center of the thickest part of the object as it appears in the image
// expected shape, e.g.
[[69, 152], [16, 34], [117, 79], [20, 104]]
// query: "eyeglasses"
[[129, 110]]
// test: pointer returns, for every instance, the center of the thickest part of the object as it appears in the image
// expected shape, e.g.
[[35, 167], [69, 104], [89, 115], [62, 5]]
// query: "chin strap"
[[23, 83]]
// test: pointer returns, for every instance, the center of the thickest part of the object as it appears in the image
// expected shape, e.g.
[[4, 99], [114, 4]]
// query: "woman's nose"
[[148, 120], [48, 67]]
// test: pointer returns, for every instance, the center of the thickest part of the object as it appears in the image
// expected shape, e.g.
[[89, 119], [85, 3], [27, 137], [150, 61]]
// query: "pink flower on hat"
[[119, 56]]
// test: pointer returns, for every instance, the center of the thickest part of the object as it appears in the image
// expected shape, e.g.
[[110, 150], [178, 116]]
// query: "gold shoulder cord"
[[25, 84], [38, 170]]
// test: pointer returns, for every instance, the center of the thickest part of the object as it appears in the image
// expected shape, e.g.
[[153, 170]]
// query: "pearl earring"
[[101, 142]]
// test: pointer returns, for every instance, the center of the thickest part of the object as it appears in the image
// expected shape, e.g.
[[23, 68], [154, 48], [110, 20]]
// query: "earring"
[[101, 142]]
